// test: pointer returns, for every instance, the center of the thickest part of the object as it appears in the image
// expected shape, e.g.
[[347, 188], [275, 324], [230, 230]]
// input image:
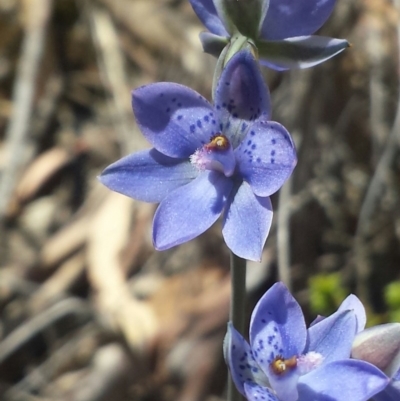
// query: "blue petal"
[[299, 52], [207, 14], [342, 381], [277, 327], [175, 119], [288, 18], [240, 360], [266, 157], [254, 392], [390, 393], [354, 304], [241, 96], [246, 224], [147, 175], [190, 210], [285, 385], [333, 336]]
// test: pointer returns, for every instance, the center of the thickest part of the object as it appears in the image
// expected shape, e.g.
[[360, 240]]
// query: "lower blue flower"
[[286, 362], [207, 160]]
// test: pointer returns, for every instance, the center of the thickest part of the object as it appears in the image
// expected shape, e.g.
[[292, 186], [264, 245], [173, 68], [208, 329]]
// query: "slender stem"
[[238, 309]]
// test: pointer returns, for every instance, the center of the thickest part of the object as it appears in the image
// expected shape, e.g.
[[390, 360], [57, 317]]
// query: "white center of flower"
[[308, 362], [216, 155]]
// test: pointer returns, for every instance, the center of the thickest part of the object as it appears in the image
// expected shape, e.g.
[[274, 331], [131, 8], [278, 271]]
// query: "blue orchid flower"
[[208, 161], [286, 362], [380, 345], [281, 30]]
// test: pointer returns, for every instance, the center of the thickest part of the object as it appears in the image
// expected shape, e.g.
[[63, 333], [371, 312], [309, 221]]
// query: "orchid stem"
[[238, 309]]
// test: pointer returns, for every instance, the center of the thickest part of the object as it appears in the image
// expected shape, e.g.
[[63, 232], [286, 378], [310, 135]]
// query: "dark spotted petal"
[[266, 157], [255, 392], [277, 327], [175, 119], [241, 96], [240, 360]]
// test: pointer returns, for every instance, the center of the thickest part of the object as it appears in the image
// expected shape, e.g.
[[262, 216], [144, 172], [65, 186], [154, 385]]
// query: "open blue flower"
[[280, 29], [208, 160], [287, 362]]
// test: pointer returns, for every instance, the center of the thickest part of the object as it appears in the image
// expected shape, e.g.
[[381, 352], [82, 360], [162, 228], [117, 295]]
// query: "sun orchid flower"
[[282, 30], [208, 160], [286, 362], [380, 345]]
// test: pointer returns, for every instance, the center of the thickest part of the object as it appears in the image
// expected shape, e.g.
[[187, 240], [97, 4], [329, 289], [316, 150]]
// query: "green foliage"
[[326, 293], [392, 298]]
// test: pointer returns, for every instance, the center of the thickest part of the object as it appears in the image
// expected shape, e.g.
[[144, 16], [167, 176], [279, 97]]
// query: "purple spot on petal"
[[253, 147], [272, 161], [273, 141], [214, 122], [192, 128], [199, 123], [180, 117], [273, 153], [249, 142], [258, 159], [206, 119], [252, 133], [179, 104]]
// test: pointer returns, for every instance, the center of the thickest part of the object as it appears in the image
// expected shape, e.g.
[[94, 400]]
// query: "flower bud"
[[379, 345]]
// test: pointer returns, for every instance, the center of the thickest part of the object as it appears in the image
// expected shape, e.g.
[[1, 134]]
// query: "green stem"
[[238, 309]]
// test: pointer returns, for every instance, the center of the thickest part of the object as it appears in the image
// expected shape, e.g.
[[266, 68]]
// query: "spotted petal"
[[277, 327], [239, 357], [241, 96], [254, 392], [342, 381], [246, 224], [175, 119], [266, 157], [147, 175], [299, 52], [190, 210], [288, 18]]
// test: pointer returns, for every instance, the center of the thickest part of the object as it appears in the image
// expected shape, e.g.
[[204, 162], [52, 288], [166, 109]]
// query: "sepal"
[[298, 52]]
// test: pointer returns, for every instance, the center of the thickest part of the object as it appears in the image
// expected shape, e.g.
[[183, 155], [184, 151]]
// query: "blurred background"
[[89, 311]]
